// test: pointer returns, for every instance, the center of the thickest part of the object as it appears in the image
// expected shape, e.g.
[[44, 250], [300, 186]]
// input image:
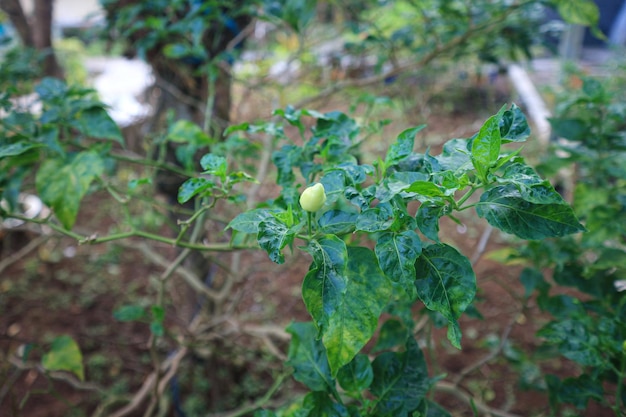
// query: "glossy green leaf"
[[319, 404], [248, 221], [63, 185], [95, 122], [514, 126], [337, 221], [357, 375], [375, 219], [15, 149], [193, 187], [427, 218], [400, 381], [431, 409], [455, 156], [403, 146], [214, 165], [505, 208], [307, 356], [393, 333], [531, 186], [486, 145], [273, 236], [397, 253], [345, 291], [64, 355], [129, 313], [446, 283]]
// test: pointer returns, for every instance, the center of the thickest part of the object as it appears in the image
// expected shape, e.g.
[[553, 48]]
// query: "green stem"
[[309, 221], [94, 239], [464, 198]]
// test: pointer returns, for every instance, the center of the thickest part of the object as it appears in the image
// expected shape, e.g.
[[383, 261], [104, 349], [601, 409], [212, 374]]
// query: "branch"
[[15, 257], [409, 66], [454, 390]]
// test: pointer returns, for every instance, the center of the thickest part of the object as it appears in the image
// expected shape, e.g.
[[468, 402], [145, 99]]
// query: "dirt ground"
[[61, 288]]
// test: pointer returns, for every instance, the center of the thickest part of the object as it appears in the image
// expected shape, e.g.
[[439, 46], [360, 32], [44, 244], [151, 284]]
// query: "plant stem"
[[464, 198], [309, 221]]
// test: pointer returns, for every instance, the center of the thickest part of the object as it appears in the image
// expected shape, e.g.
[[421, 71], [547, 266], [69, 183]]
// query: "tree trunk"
[[42, 37], [37, 34], [15, 12]]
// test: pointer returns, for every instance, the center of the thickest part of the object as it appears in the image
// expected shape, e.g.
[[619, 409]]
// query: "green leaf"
[[400, 381], [214, 165], [357, 375], [445, 283], [486, 145], [505, 208], [51, 88], [375, 219], [345, 291], [402, 147], [397, 253], [393, 333], [427, 218], [455, 156], [513, 125], [307, 355], [248, 221], [319, 404], [285, 159], [129, 313], [193, 187], [579, 12], [531, 186], [64, 355], [337, 221], [185, 131], [95, 122], [63, 185], [18, 148], [273, 236], [577, 391], [575, 338]]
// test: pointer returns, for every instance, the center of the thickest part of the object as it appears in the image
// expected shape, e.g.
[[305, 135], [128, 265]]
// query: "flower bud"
[[313, 198]]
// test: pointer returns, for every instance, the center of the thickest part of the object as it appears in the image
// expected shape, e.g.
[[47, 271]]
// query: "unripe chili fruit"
[[624, 346], [313, 198]]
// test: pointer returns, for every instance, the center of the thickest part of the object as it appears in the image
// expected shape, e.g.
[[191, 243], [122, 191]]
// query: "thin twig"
[[454, 390], [491, 355], [15, 257], [482, 244]]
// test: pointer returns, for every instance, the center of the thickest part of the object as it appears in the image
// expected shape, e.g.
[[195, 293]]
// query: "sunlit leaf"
[[64, 355], [345, 291], [62, 185]]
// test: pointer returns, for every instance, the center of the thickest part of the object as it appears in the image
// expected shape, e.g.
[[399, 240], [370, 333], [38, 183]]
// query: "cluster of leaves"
[[349, 285], [53, 142], [589, 326]]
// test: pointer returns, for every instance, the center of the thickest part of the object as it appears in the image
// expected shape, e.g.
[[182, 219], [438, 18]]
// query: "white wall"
[[68, 12]]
